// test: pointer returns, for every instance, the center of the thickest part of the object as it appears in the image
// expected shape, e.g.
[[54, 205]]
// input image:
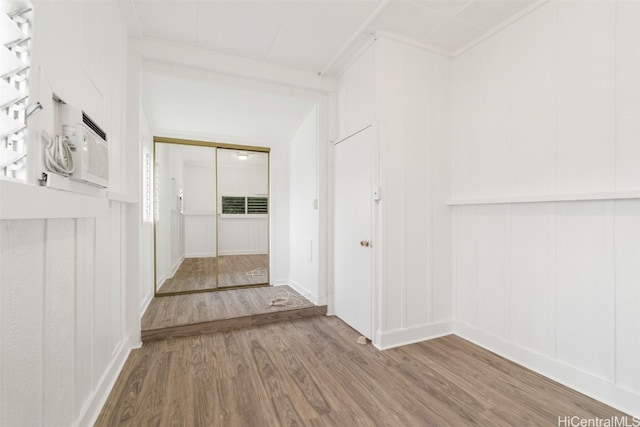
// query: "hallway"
[[311, 372]]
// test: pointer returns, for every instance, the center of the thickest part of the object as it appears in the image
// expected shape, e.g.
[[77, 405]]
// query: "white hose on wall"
[[58, 157]]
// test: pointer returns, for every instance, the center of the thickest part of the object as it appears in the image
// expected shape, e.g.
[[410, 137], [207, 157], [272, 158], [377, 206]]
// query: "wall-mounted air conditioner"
[[88, 143]]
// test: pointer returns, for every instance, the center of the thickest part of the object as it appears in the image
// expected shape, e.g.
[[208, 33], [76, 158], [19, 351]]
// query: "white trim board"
[[546, 198], [319, 301], [93, 406], [399, 337], [25, 201], [200, 255], [249, 252], [574, 378], [144, 304]]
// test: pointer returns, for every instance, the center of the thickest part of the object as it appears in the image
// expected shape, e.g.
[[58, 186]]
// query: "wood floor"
[[193, 274], [192, 314], [238, 270], [234, 270], [311, 372]]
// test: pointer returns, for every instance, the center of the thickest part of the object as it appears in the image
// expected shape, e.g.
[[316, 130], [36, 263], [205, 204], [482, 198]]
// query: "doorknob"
[[365, 243]]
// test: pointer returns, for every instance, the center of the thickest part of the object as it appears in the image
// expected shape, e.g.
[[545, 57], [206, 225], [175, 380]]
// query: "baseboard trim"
[[598, 388], [176, 266], [145, 303], [247, 252], [91, 410], [200, 255], [398, 337], [305, 293]]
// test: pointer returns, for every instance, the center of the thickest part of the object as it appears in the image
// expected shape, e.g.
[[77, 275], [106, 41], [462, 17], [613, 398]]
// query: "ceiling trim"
[[377, 11], [199, 74], [412, 42], [179, 54], [243, 140], [501, 26]]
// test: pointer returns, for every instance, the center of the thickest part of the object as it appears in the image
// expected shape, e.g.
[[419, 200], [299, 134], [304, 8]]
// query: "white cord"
[[58, 157]]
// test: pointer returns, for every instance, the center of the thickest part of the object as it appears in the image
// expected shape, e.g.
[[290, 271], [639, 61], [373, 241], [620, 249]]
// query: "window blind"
[[257, 205], [233, 205]]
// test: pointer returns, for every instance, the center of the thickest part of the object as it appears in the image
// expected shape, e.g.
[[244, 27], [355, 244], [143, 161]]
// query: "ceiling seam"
[[376, 12], [500, 27], [276, 37]]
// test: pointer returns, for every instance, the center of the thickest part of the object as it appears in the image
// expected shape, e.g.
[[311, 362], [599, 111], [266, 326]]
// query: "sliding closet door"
[[243, 218], [185, 218]]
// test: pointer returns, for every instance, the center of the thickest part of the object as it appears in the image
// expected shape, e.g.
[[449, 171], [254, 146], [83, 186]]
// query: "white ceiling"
[[314, 34], [206, 156], [228, 157], [193, 108]]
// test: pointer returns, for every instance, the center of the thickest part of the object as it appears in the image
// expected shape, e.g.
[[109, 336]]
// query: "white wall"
[[547, 110], [200, 209], [169, 224], [243, 234], [303, 211], [404, 92], [412, 104], [68, 314]]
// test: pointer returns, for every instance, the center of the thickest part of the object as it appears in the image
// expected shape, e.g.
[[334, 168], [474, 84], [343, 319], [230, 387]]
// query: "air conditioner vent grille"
[[87, 121]]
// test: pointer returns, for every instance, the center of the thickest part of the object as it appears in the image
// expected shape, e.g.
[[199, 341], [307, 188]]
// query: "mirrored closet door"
[[243, 217], [211, 217]]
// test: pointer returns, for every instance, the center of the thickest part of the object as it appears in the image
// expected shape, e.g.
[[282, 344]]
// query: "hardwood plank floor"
[[238, 270], [312, 373], [192, 275], [192, 314], [196, 274]]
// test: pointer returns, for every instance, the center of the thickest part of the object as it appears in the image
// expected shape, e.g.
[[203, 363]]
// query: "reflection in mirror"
[[243, 217], [185, 223]]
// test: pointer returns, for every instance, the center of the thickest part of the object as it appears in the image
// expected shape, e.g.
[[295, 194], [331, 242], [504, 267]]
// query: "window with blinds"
[[241, 205], [15, 18], [234, 205], [257, 205]]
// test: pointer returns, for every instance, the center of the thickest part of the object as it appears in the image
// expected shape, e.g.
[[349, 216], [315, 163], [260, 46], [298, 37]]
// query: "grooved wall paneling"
[[585, 317], [531, 119], [531, 278], [85, 273], [627, 294], [627, 95], [59, 321], [492, 249], [21, 327], [554, 284], [586, 96], [412, 86], [465, 264]]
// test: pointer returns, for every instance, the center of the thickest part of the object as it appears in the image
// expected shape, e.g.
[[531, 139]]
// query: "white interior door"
[[353, 228]]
